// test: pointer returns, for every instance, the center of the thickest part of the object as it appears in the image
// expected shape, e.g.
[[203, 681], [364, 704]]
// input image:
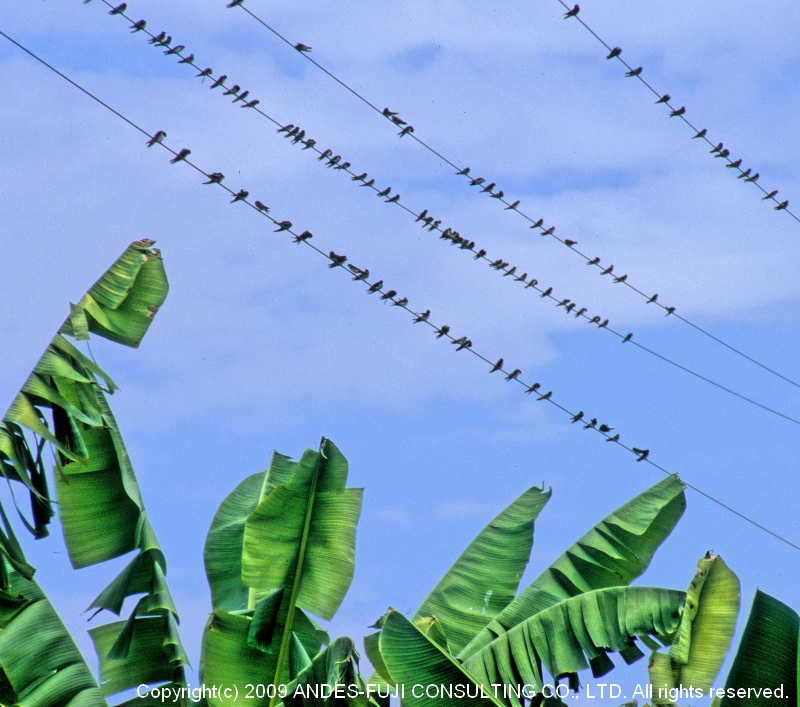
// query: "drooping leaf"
[[485, 578], [613, 553], [576, 634], [767, 658]]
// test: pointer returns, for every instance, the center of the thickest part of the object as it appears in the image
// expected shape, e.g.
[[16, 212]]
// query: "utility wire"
[[718, 150], [337, 262], [298, 136], [535, 223]]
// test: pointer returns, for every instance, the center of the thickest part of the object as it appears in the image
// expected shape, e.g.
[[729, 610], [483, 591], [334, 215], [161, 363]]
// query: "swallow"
[[514, 374], [464, 172], [628, 337], [442, 331], [336, 260], [164, 42], [594, 261], [782, 206], [510, 272], [550, 231], [580, 312], [615, 438], [664, 99], [369, 183], [283, 226], [333, 161], [286, 128], [546, 396], [187, 60], [538, 224], [406, 130], [204, 73], [309, 143], [304, 236], [462, 340], [498, 195], [621, 278], [591, 423], [594, 320], [476, 182], [634, 72], [393, 200], [263, 207], [569, 243], [653, 298], [607, 271], [299, 138], [570, 307], [215, 178], [241, 195], [138, 26], [512, 207], [157, 138], [242, 96], [324, 155], [533, 282], [302, 47], [677, 113], [521, 278], [480, 254], [573, 12], [547, 292], [497, 366], [435, 225], [700, 134], [465, 345], [219, 82], [669, 310], [488, 187], [177, 49], [158, 38], [641, 453], [615, 52], [389, 294], [577, 417], [753, 178], [389, 113], [182, 155], [771, 195], [251, 104], [385, 192], [533, 388], [563, 303], [397, 121], [744, 174], [342, 165], [734, 165], [716, 148], [724, 154], [232, 91], [359, 274], [603, 324], [119, 9], [234, 3], [375, 287], [422, 214], [422, 317], [605, 428]]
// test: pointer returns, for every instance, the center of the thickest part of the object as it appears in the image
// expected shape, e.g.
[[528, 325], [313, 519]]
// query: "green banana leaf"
[[424, 673], [277, 550], [767, 658], [613, 553], [485, 578], [578, 633]]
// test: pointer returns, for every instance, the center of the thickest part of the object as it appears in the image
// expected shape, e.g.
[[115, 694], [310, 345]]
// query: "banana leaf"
[[613, 553]]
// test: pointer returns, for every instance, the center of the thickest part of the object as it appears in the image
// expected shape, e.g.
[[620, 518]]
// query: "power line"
[[298, 136], [337, 262], [535, 223], [718, 150]]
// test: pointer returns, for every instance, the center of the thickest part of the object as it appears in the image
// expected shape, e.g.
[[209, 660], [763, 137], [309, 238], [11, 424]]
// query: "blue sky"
[[260, 346]]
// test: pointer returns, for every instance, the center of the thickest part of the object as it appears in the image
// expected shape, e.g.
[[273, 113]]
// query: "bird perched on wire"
[[283, 226], [302, 47], [375, 287], [119, 9], [753, 178], [465, 345], [744, 174], [242, 96], [385, 192], [241, 195], [771, 195], [177, 49], [187, 59], [138, 26], [513, 207], [182, 155], [406, 130], [546, 396], [460, 341], [158, 38], [700, 134], [204, 73], [734, 165], [573, 12], [336, 260], [592, 423], [388, 295], [615, 52], [220, 82], [677, 113], [232, 91], [533, 388], [664, 99], [577, 417], [422, 317], [497, 366], [234, 3], [783, 205], [605, 428], [514, 374], [442, 331], [641, 453], [261, 206], [615, 438], [359, 274], [304, 236], [634, 72], [157, 138], [628, 337]]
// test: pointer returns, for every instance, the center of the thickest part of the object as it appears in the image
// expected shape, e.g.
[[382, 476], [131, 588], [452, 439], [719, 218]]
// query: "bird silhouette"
[[734, 165], [605, 428], [119, 9], [521, 278], [177, 49], [488, 187], [653, 298], [394, 199], [771, 195], [388, 295], [603, 324], [370, 183], [406, 130], [389, 113], [547, 292], [669, 310], [422, 317], [577, 417], [533, 388], [716, 148], [187, 59], [514, 374], [498, 195], [336, 260], [476, 182], [641, 453], [302, 47], [251, 104], [628, 337], [324, 155], [480, 254], [375, 287], [157, 138], [359, 274], [283, 226], [385, 192], [182, 155], [464, 172], [753, 178], [138, 26], [677, 113], [664, 99], [621, 278], [593, 261], [234, 3], [512, 207], [158, 38], [397, 121], [608, 270], [549, 232], [497, 366], [573, 12], [241, 195], [700, 134], [442, 331], [569, 243], [465, 345], [570, 307], [546, 396], [462, 340], [232, 91], [591, 423], [615, 52], [580, 312], [744, 174], [333, 161], [359, 178], [634, 72], [304, 236], [724, 154], [242, 96], [261, 206], [594, 320], [219, 82], [204, 73], [615, 438], [783, 205]]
